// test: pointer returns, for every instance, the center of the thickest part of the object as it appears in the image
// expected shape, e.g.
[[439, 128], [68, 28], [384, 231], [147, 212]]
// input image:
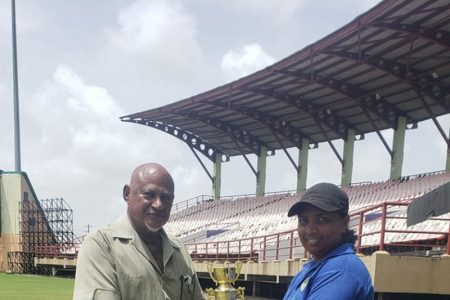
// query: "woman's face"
[[320, 231]]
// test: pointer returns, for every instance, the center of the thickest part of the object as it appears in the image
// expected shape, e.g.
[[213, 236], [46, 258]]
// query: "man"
[[134, 258], [335, 272]]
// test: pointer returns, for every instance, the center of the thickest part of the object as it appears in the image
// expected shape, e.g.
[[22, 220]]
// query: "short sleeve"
[[330, 286], [95, 274], [335, 285], [100, 294]]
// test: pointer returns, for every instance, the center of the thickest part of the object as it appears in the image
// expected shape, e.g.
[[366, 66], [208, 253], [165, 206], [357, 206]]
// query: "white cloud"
[[284, 9], [5, 14], [247, 60], [89, 99], [152, 49], [75, 146], [155, 27], [73, 127]]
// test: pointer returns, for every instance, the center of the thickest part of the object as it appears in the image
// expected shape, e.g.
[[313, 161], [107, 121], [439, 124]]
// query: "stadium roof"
[[392, 61]]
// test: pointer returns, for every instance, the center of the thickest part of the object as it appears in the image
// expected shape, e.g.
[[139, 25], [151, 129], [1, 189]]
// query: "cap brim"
[[297, 207]]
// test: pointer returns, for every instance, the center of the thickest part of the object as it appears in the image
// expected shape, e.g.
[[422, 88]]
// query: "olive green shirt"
[[114, 264]]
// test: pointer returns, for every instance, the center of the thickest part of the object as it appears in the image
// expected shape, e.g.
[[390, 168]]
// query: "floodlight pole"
[[18, 167]]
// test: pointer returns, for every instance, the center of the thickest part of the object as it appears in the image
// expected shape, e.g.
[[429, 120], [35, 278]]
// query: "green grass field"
[[31, 287]]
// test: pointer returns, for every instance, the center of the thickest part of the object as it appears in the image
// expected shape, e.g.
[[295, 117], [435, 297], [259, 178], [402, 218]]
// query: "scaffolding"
[[59, 216], [45, 224], [23, 262]]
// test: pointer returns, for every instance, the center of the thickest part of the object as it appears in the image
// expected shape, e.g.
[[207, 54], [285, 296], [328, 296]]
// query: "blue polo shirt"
[[341, 275]]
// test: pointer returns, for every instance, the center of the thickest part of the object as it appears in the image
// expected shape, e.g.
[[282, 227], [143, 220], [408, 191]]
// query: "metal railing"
[[66, 250], [369, 222], [190, 202], [286, 245], [179, 206]]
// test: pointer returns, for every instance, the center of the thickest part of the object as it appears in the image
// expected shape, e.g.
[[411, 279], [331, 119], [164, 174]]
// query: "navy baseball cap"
[[325, 196]]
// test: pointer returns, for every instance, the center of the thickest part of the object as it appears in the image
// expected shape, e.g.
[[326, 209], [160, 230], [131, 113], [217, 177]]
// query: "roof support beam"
[[434, 35], [277, 126], [246, 159], [202, 164], [237, 134], [330, 142], [377, 130], [260, 173], [441, 131], [318, 113], [193, 141], [353, 92], [421, 83]]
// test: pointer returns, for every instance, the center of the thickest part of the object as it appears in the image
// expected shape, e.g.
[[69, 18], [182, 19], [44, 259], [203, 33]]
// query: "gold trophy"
[[225, 278]]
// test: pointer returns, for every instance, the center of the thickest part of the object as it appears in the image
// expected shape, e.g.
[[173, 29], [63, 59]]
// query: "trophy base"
[[227, 294]]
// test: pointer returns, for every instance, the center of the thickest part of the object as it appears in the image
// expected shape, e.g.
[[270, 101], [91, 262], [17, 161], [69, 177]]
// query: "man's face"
[[149, 197], [320, 231]]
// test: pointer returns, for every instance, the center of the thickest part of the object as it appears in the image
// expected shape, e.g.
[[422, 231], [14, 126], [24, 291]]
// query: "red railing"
[[268, 247], [388, 212], [179, 206], [373, 227], [68, 250], [369, 223]]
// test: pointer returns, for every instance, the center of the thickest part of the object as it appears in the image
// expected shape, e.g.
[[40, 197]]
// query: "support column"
[[347, 167], [261, 172], [217, 176], [398, 149], [302, 171]]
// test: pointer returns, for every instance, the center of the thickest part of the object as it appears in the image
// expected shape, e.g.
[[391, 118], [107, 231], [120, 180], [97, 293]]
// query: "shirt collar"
[[174, 243], [123, 229], [343, 249]]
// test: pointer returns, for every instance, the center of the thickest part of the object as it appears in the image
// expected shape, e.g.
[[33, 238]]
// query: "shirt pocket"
[[138, 287], [189, 287], [188, 291], [100, 294]]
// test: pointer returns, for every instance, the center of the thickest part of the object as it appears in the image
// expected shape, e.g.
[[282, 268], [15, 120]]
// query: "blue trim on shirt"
[[339, 275]]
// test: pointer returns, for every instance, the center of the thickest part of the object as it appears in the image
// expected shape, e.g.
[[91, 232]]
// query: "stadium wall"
[[10, 198], [409, 274], [393, 276], [23, 223]]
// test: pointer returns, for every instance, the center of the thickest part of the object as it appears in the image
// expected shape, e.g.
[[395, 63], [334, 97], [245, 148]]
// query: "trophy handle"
[[240, 293], [211, 274], [210, 294], [238, 271]]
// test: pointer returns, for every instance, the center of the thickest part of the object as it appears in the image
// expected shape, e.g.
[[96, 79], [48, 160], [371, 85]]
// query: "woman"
[[334, 272]]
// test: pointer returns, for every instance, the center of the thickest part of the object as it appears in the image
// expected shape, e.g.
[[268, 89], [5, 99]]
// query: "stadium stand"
[[386, 70], [242, 217]]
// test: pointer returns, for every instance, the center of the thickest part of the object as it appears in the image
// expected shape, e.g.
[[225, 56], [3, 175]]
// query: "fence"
[[379, 227], [372, 226]]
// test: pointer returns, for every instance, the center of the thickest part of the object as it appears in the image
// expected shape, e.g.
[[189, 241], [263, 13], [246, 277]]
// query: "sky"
[[83, 64]]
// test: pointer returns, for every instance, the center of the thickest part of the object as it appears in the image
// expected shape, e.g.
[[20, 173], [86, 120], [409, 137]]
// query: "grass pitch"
[[21, 287]]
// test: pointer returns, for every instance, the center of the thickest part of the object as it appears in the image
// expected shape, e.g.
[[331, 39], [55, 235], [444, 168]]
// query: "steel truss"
[[42, 223]]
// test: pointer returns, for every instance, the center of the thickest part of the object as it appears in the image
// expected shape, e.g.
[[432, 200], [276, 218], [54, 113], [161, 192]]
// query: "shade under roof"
[[392, 61]]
